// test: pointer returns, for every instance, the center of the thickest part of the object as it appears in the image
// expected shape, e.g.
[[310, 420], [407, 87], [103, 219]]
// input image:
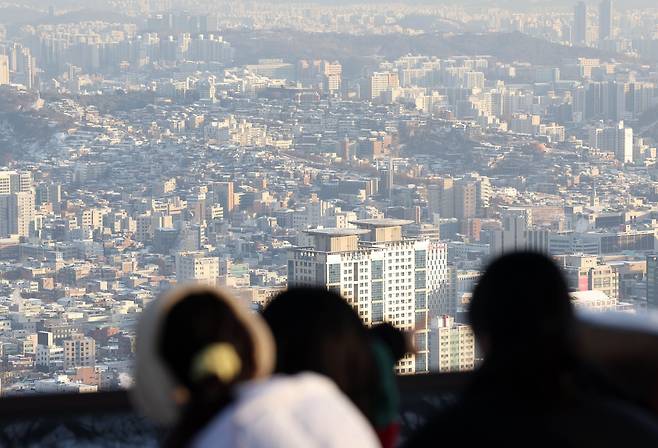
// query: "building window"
[[377, 291], [421, 259], [420, 280], [377, 312], [334, 273], [377, 269], [420, 300]]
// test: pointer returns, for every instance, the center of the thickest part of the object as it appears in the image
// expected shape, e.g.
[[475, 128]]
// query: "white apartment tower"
[[451, 346], [16, 213], [624, 149], [15, 181], [617, 139], [384, 277], [4, 69], [197, 267], [381, 82]]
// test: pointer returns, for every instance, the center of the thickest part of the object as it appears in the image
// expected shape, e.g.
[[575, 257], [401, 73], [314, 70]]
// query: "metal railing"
[[109, 419], [626, 347]]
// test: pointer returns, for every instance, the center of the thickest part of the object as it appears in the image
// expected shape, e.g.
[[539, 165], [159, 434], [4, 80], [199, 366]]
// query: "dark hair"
[[191, 325], [522, 309], [317, 330]]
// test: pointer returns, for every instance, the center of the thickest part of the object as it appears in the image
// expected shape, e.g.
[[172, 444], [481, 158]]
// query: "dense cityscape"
[[385, 152]]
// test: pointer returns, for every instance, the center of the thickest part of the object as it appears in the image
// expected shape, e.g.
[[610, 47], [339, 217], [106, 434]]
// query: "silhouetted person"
[[203, 367], [532, 388], [317, 330]]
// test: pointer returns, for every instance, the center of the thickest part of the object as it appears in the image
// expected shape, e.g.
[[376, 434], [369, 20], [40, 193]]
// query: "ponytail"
[[213, 373]]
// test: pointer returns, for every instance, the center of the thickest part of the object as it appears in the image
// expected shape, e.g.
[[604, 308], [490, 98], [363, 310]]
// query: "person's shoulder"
[[284, 389], [298, 410], [460, 421], [219, 432], [326, 413]]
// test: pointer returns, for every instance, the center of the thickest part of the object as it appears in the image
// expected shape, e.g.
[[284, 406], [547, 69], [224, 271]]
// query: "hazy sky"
[[513, 4]]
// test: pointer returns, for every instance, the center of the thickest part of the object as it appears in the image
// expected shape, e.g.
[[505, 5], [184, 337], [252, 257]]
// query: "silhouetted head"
[[194, 324], [521, 309], [316, 330], [194, 346]]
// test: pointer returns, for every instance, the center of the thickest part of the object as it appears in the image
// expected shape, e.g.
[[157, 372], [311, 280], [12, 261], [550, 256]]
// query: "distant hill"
[[18, 14], [357, 51], [22, 125]]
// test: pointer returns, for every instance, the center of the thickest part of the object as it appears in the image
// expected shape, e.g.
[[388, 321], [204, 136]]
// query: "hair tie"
[[220, 360]]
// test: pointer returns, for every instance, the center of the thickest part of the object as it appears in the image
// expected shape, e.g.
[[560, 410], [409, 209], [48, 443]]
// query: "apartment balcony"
[[626, 346]]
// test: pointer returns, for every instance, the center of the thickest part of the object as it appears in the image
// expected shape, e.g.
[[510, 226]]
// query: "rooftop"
[[336, 232], [383, 222]]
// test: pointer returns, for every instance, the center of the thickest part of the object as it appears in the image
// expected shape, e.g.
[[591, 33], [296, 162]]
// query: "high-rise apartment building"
[[579, 32], [148, 223], [483, 192], [380, 82], [384, 277], [606, 12], [624, 149], [4, 69], [23, 65], [517, 233], [462, 198], [16, 213], [207, 90], [224, 194], [48, 193], [604, 278], [320, 74], [48, 356], [441, 198], [586, 273], [332, 73], [21, 212], [617, 139], [79, 351], [15, 181], [513, 236], [465, 199], [613, 99], [451, 346], [197, 267], [474, 80]]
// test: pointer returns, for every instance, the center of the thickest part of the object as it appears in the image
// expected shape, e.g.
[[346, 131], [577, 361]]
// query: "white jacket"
[[305, 410]]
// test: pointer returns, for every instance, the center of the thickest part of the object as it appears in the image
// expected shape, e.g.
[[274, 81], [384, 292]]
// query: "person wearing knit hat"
[[203, 368]]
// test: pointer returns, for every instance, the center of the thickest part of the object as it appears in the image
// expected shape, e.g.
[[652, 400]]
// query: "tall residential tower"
[[383, 276], [606, 12], [579, 33]]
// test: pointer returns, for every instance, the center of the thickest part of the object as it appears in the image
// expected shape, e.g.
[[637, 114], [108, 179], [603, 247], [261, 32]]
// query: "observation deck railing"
[[625, 346]]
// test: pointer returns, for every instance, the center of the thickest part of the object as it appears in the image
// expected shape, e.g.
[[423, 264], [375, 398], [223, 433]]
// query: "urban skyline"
[[384, 151]]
